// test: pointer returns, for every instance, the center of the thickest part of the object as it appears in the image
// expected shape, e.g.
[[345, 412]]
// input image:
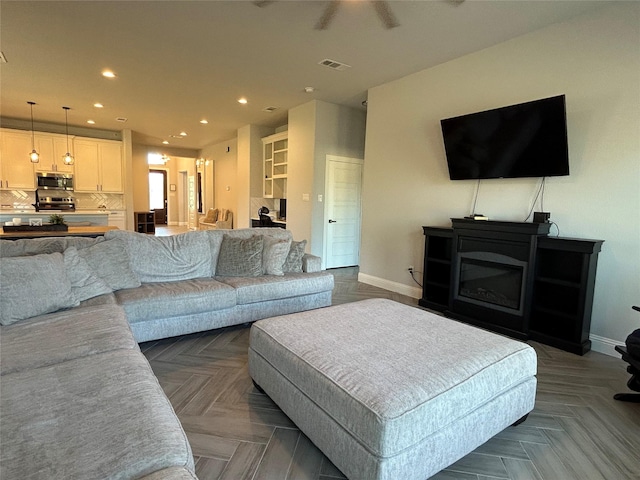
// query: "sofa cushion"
[[110, 261], [65, 335], [173, 299], [260, 289], [102, 416], [274, 253], [167, 259], [84, 283], [37, 246], [33, 285], [240, 257], [293, 263]]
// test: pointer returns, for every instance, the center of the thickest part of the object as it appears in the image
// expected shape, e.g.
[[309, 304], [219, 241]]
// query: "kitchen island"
[[89, 231]]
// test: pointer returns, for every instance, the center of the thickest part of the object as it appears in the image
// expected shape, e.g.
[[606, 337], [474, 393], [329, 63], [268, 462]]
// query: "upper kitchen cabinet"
[[98, 166], [52, 148], [275, 160], [16, 170]]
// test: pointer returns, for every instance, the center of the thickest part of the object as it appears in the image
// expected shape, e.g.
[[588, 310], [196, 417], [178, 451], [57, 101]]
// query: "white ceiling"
[[180, 61]]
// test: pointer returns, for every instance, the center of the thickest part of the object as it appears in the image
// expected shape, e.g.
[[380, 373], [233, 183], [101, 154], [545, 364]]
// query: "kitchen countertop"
[[62, 212], [90, 231]]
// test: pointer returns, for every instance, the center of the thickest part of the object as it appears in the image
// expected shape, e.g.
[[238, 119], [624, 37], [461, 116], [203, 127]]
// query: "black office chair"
[[265, 221], [631, 354]]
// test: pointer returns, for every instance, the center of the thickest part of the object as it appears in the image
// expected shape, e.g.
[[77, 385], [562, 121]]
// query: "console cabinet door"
[[16, 170]]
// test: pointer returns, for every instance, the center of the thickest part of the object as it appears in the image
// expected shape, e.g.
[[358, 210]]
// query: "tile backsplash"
[[257, 202], [18, 199]]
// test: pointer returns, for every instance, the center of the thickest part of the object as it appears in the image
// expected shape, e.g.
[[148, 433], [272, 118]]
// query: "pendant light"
[[34, 156], [67, 158]]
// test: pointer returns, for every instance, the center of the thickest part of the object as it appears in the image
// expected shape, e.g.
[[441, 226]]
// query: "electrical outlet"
[[410, 268]]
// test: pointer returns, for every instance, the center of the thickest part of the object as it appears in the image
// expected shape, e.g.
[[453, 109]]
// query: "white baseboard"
[[604, 345], [598, 344], [413, 292]]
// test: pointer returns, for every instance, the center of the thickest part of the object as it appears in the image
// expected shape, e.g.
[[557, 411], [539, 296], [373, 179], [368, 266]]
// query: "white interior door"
[[342, 211]]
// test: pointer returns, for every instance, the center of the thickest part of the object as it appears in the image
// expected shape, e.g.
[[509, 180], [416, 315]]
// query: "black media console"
[[510, 277]]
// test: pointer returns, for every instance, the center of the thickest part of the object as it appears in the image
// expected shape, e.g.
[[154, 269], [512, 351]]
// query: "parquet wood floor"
[[577, 431]]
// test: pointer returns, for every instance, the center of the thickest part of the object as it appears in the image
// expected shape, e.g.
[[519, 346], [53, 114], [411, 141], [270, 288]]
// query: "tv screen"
[[524, 140]]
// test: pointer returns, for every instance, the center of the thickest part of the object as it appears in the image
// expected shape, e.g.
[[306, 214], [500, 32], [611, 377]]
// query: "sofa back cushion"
[[85, 284], [33, 285], [167, 259], [109, 260], [38, 246]]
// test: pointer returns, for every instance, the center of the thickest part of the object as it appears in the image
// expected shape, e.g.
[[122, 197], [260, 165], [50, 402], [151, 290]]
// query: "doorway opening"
[[158, 195]]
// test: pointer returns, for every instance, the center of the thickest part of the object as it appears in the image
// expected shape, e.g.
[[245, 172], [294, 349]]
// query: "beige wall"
[[317, 129], [225, 168], [250, 170], [595, 61], [140, 179]]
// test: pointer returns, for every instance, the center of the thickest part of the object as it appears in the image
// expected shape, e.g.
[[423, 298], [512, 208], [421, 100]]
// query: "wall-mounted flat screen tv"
[[524, 140]]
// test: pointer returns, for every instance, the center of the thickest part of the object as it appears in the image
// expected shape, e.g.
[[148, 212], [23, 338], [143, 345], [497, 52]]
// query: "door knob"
[[332, 221]]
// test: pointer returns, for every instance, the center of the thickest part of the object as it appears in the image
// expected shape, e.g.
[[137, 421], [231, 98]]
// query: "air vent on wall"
[[333, 64], [269, 109]]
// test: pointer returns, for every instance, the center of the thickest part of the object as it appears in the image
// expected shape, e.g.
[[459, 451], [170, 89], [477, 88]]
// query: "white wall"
[[595, 61], [317, 129]]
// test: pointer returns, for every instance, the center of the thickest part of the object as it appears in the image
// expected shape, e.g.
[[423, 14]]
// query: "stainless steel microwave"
[[55, 181]]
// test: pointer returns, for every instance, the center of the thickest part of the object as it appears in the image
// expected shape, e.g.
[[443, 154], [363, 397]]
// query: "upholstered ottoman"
[[389, 391]]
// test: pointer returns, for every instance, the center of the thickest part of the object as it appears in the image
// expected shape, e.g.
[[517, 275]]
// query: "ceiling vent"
[[327, 62], [121, 119], [269, 109]]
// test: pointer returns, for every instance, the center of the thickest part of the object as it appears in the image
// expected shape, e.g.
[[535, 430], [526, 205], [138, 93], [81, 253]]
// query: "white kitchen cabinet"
[[98, 166], [16, 170], [52, 148], [117, 218]]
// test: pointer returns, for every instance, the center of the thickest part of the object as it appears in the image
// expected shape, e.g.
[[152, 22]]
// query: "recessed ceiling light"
[[108, 74], [183, 134], [91, 122], [204, 121], [98, 105], [309, 89], [164, 142], [242, 100]]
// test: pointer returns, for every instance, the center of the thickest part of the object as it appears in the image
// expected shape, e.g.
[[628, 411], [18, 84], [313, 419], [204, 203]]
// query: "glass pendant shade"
[[34, 156], [67, 158]]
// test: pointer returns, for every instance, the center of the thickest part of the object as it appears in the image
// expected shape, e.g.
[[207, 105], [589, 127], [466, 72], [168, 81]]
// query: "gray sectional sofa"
[[77, 398]]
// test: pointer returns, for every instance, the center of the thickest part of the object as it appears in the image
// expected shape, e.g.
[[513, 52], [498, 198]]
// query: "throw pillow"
[[33, 285], [109, 260], [240, 257], [274, 254], [293, 263], [84, 284]]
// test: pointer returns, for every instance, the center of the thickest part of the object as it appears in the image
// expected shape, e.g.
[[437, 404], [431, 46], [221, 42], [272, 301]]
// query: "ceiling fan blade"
[[385, 14], [327, 16]]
